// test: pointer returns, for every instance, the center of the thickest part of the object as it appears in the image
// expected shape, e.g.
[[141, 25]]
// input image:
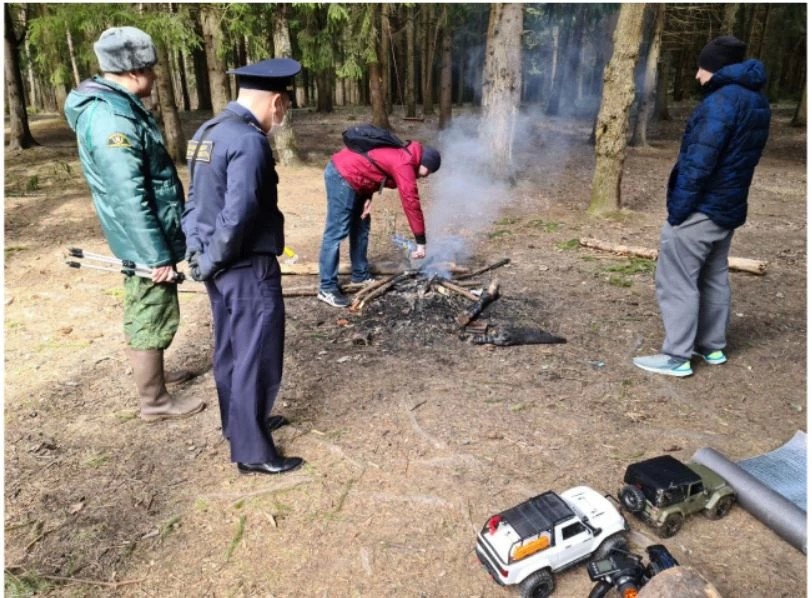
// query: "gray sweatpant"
[[692, 286]]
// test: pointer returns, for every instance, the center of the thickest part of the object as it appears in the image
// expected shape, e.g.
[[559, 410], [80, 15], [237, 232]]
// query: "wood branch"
[[741, 264], [378, 290], [476, 308], [493, 266], [457, 289], [371, 287]]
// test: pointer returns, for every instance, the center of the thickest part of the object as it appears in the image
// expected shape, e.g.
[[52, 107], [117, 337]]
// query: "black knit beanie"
[[431, 158], [721, 52]]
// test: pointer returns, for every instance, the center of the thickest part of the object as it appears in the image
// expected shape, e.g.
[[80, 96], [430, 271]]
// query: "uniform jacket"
[[231, 212], [136, 191], [722, 144], [400, 166]]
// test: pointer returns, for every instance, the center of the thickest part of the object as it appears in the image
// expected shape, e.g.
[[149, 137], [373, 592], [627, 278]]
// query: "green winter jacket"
[[136, 191]]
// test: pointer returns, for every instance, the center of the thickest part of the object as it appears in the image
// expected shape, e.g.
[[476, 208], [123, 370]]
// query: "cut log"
[[376, 290], [679, 582], [741, 264], [476, 308]]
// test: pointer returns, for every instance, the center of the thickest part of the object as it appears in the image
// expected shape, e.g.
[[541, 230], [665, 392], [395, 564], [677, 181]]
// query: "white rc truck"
[[548, 533]]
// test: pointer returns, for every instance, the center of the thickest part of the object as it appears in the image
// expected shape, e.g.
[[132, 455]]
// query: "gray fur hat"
[[124, 49]]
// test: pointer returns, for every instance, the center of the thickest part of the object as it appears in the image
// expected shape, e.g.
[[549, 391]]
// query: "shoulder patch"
[[118, 140], [203, 152]]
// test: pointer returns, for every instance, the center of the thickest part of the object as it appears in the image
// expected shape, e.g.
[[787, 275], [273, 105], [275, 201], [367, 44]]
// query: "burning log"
[[734, 263], [489, 295], [506, 337], [493, 266]]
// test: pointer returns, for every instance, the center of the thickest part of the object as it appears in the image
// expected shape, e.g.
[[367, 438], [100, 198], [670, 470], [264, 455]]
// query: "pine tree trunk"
[[180, 62], [613, 118], [72, 54], [663, 80], [386, 57], [430, 39], [576, 41], [32, 81], [445, 72], [213, 41], [649, 78], [558, 82], [202, 88], [729, 19], [376, 95], [502, 85], [173, 132], [411, 104], [799, 120], [20, 137], [284, 136], [324, 92]]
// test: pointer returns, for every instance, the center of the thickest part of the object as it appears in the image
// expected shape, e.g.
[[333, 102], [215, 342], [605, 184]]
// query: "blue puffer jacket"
[[722, 144]]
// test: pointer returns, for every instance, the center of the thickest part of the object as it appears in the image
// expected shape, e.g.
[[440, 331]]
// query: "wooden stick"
[[493, 266], [475, 309], [106, 584], [377, 284], [457, 289], [741, 264], [359, 305]]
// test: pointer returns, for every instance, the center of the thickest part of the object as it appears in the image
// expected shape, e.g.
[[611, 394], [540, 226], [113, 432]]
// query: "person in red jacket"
[[350, 179]]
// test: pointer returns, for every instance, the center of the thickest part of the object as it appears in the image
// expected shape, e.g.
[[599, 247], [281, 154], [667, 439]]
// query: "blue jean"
[[344, 209]]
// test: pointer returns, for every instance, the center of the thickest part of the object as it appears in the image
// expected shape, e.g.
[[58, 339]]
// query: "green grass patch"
[[12, 249], [169, 526], [618, 280], [25, 584], [545, 226], [235, 540], [633, 265], [507, 221], [498, 234], [568, 245], [96, 460], [117, 292], [32, 184]]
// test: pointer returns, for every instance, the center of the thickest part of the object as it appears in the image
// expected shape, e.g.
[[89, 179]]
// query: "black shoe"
[[278, 465], [277, 421]]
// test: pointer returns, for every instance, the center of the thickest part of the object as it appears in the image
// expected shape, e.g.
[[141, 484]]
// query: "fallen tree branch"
[[343, 269], [741, 264], [371, 287], [493, 266]]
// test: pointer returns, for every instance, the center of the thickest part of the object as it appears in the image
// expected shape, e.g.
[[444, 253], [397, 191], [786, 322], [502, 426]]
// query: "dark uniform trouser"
[[692, 286], [249, 335]]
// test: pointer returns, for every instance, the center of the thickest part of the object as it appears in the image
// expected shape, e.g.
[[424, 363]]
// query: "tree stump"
[[679, 582]]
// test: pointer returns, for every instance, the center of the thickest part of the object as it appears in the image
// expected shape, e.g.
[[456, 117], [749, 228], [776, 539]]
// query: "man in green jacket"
[[138, 198]]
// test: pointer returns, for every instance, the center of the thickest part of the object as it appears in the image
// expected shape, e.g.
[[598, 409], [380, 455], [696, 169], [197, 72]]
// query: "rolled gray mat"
[[773, 510]]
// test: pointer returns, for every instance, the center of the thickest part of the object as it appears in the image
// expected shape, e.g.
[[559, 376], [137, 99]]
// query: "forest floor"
[[413, 440]]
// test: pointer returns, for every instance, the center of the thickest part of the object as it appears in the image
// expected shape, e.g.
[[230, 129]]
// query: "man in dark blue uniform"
[[234, 231]]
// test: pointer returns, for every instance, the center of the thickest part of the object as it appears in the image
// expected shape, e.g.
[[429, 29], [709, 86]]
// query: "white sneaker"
[[336, 299]]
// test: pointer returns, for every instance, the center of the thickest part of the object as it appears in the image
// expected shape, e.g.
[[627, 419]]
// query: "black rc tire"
[[632, 498], [721, 508], [671, 525], [614, 541], [538, 585]]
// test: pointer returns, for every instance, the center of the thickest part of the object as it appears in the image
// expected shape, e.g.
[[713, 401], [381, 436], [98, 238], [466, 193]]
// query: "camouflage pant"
[[151, 313]]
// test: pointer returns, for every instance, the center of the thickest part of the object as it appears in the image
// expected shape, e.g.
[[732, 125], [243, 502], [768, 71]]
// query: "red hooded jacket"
[[400, 165]]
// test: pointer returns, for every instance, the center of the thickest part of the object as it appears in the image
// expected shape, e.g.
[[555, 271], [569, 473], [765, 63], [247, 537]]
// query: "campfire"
[[439, 297]]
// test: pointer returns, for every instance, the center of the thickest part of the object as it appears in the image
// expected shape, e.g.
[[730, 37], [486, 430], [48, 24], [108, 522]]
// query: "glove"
[[419, 253], [194, 266]]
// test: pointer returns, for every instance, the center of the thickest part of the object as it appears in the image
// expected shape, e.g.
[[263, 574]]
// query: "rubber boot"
[[156, 402]]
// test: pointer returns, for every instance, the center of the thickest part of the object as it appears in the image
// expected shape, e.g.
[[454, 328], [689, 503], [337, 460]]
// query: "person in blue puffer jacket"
[[707, 200]]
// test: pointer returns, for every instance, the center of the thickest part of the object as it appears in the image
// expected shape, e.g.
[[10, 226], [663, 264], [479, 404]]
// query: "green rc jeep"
[[663, 491]]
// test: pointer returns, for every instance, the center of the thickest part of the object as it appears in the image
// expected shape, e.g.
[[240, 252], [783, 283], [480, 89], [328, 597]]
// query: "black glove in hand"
[[194, 267]]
